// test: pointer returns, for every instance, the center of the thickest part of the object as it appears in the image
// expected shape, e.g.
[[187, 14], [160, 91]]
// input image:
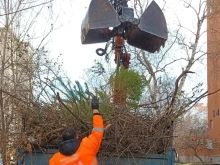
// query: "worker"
[[74, 152]]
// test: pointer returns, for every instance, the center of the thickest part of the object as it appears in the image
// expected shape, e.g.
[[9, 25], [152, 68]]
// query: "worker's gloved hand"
[[95, 102]]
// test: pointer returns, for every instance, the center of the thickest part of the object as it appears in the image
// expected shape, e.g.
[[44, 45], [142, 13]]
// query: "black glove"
[[95, 102]]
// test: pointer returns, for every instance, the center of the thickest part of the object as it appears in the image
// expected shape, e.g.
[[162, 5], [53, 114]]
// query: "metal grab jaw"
[[102, 22], [99, 18]]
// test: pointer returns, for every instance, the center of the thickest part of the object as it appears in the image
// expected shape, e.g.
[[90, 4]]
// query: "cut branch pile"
[[44, 127], [129, 134]]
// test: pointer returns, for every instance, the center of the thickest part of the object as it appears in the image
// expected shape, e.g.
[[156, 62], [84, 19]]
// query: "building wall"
[[18, 77], [193, 159], [213, 62], [18, 64], [211, 148], [189, 136]]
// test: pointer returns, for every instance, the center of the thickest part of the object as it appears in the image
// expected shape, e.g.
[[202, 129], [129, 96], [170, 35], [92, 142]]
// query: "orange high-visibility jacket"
[[89, 146]]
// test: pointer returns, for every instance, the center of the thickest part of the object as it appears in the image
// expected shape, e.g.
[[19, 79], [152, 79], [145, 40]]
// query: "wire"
[[27, 8]]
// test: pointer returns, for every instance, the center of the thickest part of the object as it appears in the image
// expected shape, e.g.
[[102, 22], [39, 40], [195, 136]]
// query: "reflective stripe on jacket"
[[89, 147]]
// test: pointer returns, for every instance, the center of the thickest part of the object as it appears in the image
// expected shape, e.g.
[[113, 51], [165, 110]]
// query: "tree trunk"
[[200, 159], [3, 122], [2, 74]]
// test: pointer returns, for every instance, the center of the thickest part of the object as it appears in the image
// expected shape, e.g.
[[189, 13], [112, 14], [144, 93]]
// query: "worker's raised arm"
[[93, 141]]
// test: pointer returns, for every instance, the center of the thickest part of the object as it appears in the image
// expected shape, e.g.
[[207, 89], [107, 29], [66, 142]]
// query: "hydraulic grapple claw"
[[102, 22]]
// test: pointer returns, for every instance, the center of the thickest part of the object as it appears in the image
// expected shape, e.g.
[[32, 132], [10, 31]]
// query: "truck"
[[42, 157]]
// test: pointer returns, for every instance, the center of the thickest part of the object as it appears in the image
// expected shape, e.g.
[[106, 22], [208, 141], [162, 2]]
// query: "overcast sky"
[[66, 39], [76, 57]]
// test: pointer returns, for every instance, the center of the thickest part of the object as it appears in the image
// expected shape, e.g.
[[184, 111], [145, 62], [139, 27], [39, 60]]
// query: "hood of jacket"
[[69, 147]]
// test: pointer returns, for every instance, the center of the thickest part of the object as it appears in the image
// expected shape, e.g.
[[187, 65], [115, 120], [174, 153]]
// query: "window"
[[217, 112], [209, 144], [213, 113], [211, 124]]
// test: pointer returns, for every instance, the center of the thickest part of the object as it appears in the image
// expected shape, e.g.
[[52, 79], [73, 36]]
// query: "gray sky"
[[66, 39], [76, 57]]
